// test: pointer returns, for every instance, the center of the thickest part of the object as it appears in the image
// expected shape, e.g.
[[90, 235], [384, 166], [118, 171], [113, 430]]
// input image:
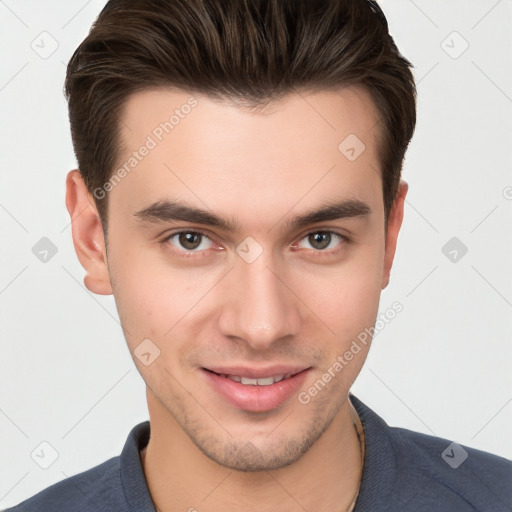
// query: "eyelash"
[[343, 240]]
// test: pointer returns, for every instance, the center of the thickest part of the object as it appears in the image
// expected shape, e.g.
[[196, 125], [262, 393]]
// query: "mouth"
[[256, 390], [249, 381]]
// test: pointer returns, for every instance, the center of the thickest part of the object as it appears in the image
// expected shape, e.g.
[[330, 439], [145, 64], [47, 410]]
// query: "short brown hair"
[[247, 51]]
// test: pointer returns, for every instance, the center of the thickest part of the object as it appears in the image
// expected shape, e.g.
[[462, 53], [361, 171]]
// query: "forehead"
[[214, 152], [301, 114]]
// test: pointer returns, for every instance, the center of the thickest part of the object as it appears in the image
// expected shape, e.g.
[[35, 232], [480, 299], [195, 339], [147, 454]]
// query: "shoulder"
[[98, 488], [410, 471], [116, 484], [432, 469], [442, 456]]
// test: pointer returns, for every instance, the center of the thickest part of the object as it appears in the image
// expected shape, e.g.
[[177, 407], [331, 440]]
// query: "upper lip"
[[257, 373]]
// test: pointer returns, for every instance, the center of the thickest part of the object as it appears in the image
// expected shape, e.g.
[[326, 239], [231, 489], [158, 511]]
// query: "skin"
[[295, 303]]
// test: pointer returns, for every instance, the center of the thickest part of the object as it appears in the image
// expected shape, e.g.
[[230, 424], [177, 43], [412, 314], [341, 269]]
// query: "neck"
[[180, 477]]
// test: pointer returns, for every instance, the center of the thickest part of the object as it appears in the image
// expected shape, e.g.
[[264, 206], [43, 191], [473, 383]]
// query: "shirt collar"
[[134, 483], [380, 464]]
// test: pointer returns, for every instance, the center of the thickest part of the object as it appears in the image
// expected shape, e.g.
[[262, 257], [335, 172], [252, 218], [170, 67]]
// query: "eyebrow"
[[169, 210], [345, 209]]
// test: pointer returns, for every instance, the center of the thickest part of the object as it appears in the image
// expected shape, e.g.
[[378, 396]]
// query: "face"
[[251, 244]]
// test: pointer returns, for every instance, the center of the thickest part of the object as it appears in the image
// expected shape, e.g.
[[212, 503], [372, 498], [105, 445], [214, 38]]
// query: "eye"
[[191, 241], [321, 240]]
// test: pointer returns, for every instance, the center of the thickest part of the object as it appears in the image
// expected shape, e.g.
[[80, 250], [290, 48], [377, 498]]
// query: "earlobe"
[[396, 216], [87, 233]]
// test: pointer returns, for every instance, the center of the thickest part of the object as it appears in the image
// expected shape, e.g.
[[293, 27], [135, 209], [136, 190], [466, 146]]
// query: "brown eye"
[[320, 240], [191, 241]]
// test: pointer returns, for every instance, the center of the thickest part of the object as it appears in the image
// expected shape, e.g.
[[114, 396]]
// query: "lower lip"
[[256, 398]]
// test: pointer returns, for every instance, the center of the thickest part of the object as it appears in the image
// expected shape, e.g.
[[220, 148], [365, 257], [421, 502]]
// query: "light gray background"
[[442, 366]]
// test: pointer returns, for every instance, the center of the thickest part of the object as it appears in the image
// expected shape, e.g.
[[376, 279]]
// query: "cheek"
[[142, 295], [154, 299], [346, 296]]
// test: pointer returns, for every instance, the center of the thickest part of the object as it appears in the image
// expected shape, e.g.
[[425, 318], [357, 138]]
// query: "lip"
[[257, 373], [256, 398]]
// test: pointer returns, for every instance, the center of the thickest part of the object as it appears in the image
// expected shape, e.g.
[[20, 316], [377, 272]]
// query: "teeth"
[[252, 382], [266, 381]]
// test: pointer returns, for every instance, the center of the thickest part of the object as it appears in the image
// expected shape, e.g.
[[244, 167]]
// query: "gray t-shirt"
[[404, 471]]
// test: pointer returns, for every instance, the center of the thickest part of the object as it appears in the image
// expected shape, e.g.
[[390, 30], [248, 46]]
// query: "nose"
[[260, 306]]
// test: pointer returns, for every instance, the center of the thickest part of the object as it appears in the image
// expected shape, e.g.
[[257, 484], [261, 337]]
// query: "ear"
[[87, 234], [396, 216]]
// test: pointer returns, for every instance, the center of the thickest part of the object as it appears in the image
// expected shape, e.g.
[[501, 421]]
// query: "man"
[[239, 194]]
